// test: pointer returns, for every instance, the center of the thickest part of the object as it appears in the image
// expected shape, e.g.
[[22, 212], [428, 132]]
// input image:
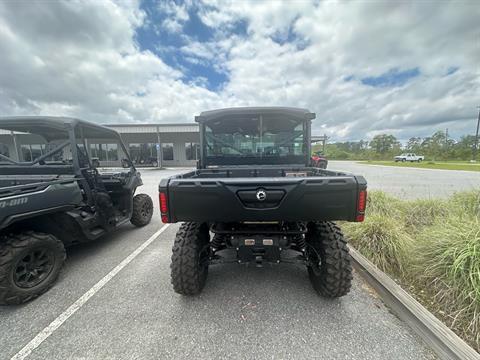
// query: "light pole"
[[475, 149]]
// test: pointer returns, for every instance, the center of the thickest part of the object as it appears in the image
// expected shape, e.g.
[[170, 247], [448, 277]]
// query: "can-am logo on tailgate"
[[261, 195], [13, 202]]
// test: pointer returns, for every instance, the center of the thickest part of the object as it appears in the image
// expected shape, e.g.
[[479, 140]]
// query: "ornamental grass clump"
[[466, 203], [447, 261], [383, 240], [433, 248], [381, 203], [424, 212]]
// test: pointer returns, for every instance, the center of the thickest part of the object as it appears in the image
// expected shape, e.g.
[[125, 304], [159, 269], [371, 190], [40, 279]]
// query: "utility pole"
[[475, 149]]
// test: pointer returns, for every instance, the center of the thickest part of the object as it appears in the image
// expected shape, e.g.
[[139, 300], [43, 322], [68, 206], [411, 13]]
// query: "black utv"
[[256, 198], [52, 195]]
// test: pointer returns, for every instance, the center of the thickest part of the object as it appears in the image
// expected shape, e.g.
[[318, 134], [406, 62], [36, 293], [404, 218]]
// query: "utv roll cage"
[[58, 128]]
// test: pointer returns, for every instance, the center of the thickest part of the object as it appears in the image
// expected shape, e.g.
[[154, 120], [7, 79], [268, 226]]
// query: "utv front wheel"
[[190, 258], [29, 265], [329, 266], [142, 210]]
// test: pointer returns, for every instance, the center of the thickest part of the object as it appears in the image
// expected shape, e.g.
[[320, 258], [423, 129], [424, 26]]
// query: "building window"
[[104, 152], [112, 152], [192, 151], [98, 151], [167, 150], [143, 153]]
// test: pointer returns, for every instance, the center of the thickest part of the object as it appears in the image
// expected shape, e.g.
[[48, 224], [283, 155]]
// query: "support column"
[[159, 149]]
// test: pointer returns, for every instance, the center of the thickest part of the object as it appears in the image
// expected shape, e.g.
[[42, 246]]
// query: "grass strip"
[[432, 248], [428, 165]]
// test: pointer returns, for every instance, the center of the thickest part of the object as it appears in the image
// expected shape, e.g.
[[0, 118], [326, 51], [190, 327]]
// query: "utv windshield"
[[260, 139]]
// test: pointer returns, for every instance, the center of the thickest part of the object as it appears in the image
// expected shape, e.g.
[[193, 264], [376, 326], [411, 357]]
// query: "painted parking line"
[[55, 324]]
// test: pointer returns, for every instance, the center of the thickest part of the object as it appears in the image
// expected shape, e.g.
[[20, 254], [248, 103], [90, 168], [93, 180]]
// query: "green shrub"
[[433, 247], [448, 259], [380, 203], [466, 203], [424, 212], [383, 240]]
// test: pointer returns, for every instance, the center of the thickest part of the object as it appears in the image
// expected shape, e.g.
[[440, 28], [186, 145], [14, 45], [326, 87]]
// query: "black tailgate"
[[287, 199]]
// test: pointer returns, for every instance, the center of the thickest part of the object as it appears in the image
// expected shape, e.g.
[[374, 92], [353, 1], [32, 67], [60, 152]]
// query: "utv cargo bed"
[[262, 194]]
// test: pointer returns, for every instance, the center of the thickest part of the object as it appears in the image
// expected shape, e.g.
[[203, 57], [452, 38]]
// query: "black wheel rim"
[[145, 211], [33, 268]]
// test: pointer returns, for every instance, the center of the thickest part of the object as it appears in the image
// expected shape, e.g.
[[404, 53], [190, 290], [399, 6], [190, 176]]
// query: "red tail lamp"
[[362, 200], [360, 218], [162, 197], [361, 205]]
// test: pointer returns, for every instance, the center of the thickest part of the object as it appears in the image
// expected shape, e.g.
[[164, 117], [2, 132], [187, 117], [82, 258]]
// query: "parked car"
[[409, 157], [319, 160], [58, 199], [256, 192]]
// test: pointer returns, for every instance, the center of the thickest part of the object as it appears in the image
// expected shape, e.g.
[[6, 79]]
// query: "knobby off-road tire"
[[142, 210], [29, 265], [189, 268], [330, 268]]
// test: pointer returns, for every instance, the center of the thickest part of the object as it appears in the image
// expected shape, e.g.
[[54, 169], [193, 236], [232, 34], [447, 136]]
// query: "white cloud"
[[361, 39], [177, 16], [81, 59]]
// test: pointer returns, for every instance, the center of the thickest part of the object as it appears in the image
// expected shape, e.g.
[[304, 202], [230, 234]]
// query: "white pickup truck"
[[409, 157]]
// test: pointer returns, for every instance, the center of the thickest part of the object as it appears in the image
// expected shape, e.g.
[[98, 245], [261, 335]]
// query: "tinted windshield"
[[256, 137]]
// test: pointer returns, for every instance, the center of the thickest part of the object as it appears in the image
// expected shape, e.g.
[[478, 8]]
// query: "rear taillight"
[[162, 197], [362, 200], [361, 205]]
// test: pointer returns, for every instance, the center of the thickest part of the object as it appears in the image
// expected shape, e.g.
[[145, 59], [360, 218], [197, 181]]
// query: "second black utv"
[[52, 195]]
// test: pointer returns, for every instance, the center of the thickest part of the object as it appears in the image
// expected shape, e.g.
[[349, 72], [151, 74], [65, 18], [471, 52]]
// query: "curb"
[[443, 341]]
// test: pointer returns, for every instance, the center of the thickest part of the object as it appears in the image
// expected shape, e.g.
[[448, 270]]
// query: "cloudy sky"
[[365, 67]]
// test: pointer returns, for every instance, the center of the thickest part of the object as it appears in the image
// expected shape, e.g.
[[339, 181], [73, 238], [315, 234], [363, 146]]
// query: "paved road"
[[411, 183], [243, 313]]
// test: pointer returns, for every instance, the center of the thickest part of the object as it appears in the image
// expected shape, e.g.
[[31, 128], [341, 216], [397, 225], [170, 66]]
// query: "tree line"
[[438, 147]]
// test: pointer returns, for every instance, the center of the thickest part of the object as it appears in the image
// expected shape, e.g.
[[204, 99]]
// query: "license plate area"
[[259, 248]]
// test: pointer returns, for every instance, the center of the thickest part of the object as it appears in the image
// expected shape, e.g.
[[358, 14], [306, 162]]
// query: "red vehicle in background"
[[319, 160]]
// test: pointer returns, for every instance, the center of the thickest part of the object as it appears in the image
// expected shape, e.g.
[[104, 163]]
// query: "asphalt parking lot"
[[411, 183], [244, 312]]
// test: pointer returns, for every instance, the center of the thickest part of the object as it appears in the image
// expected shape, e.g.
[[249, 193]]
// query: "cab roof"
[[52, 127], [210, 115]]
